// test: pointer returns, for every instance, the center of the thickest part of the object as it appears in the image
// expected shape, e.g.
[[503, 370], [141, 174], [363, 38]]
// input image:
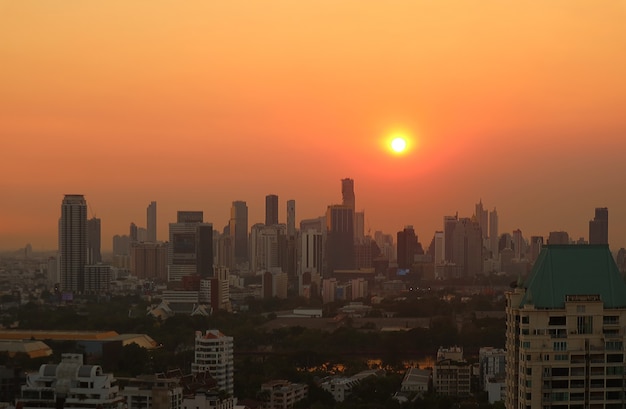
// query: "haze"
[[195, 104]]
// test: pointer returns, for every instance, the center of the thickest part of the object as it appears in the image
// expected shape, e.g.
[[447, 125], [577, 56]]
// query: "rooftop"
[[569, 270]]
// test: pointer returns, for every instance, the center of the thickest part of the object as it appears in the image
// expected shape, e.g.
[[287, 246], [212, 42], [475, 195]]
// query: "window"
[[526, 344], [525, 319], [610, 320], [558, 320], [561, 357], [584, 325], [580, 309], [560, 346], [614, 345]]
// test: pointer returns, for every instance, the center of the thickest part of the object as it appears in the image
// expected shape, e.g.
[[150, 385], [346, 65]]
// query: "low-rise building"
[[451, 374], [150, 392], [416, 381], [281, 394]]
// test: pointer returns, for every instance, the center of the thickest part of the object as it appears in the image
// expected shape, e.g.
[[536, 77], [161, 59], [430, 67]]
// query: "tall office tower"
[[347, 193], [238, 228], [565, 331], [519, 245], [149, 260], [536, 243], [73, 242], [190, 249], [407, 247], [449, 224], [359, 227], [339, 239], [94, 255], [134, 237], [493, 233], [267, 246], [599, 227], [151, 215], [482, 217], [214, 354], [439, 248], [558, 237], [467, 247], [291, 218], [271, 210]]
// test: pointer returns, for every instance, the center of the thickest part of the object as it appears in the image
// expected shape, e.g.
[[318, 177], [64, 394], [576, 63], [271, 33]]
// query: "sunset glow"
[[398, 144], [195, 104]]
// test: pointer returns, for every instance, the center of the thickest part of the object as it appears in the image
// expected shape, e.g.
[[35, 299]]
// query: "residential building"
[[73, 243], [70, 384], [451, 374], [151, 392], [565, 331], [97, 279], [214, 355], [492, 363], [149, 260], [281, 394]]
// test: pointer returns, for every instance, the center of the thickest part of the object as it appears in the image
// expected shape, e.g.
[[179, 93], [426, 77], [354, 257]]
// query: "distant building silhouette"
[[449, 224], [482, 217], [94, 255], [347, 193], [291, 218], [340, 239], [493, 233], [151, 219], [238, 228], [599, 227], [271, 210], [467, 247], [558, 237], [73, 243], [190, 249], [407, 247]]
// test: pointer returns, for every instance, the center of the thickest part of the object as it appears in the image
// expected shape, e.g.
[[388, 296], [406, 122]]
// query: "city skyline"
[[195, 106]]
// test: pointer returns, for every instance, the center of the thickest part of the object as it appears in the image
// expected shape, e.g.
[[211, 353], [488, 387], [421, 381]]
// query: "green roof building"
[[565, 332]]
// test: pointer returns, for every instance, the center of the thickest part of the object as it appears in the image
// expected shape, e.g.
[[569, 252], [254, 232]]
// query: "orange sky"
[[197, 104]]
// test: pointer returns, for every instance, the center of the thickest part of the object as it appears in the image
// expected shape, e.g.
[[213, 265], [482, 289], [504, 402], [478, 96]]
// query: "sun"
[[398, 144]]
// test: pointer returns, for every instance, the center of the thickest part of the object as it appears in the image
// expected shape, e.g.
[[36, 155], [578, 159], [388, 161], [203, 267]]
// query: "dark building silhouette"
[[558, 237], [599, 227], [73, 242], [151, 219], [347, 193], [340, 239], [94, 255], [468, 247], [204, 246], [407, 247], [133, 233], [449, 224], [271, 210], [238, 229]]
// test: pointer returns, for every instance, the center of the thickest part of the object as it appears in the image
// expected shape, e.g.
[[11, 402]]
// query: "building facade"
[[73, 243], [566, 332], [214, 355]]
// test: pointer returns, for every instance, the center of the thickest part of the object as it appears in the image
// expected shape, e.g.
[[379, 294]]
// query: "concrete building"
[[467, 247], [73, 243], [599, 227], [238, 230], [151, 392], [208, 399], [492, 363], [271, 210], [268, 247], [416, 381], [312, 251], [451, 373], [291, 218], [341, 387], [407, 247], [151, 222], [97, 279], [214, 355], [281, 394], [190, 249], [149, 260], [94, 255], [339, 239], [565, 331], [70, 384], [275, 284], [493, 233]]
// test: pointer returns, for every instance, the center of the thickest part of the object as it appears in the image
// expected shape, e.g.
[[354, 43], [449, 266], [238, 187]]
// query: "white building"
[[416, 380], [214, 354], [281, 394], [492, 363], [71, 383], [208, 400]]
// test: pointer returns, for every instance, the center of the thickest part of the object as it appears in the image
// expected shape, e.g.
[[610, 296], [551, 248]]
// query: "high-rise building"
[[151, 216], [214, 354], [94, 256], [359, 227], [565, 331], [493, 233], [267, 246], [467, 245], [482, 217], [558, 237], [190, 249], [599, 227], [340, 239], [134, 236], [271, 210], [238, 228], [519, 244], [291, 218], [407, 247], [149, 260], [312, 251], [449, 224], [347, 193], [536, 243], [73, 242]]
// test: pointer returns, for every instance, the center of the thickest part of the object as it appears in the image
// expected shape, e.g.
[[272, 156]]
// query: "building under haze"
[[339, 239], [565, 332], [94, 255], [238, 230], [73, 243], [291, 218], [599, 227], [407, 247], [151, 219], [271, 210], [190, 249]]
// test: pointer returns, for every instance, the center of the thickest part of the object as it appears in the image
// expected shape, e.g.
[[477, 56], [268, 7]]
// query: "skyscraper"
[[467, 247], [347, 193], [271, 210], [449, 223], [291, 218], [564, 331], [190, 249], [94, 255], [407, 247], [340, 239], [214, 354], [482, 217], [73, 242], [493, 233], [238, 227], [151, 216], [599, 227]]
